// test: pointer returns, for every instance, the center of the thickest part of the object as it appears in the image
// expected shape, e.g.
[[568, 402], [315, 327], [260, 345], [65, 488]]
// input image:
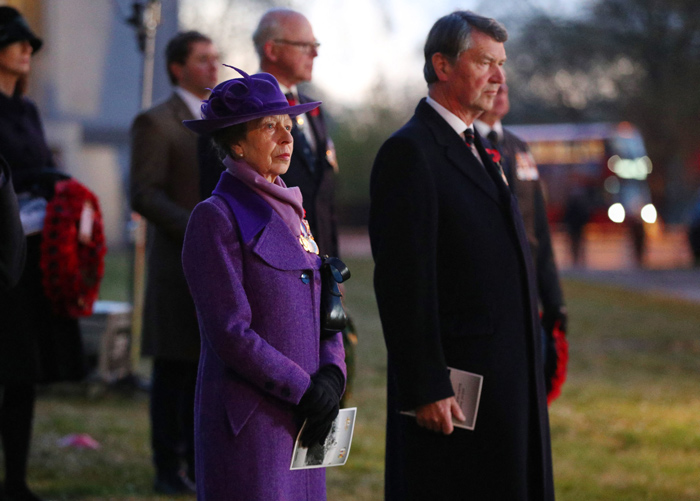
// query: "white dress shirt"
[[453, 121]]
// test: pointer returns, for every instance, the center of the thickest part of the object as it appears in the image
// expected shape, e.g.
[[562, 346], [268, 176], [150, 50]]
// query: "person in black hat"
[[36, 345]]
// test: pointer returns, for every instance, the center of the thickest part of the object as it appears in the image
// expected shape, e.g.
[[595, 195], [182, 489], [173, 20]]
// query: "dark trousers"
[[172, 416], [16, 417]]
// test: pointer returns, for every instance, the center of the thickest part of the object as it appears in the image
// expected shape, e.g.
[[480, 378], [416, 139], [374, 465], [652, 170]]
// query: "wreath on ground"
[[72, 249]]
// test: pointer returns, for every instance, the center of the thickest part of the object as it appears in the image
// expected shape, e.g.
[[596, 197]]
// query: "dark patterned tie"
[[493, 137], [469, 137], [493, 169]]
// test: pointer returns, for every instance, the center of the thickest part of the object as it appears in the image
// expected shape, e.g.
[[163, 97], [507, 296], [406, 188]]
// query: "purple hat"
[[243, 99]]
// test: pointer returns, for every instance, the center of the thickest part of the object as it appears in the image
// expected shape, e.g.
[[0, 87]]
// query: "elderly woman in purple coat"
[[253, 270]]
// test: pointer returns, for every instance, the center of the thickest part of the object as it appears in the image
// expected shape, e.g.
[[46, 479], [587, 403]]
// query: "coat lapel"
[[456, 150], [179, 109], [276, 245]]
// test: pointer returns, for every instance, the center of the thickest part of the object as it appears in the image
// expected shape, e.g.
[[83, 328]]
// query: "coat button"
[[269, 386], [286, 392], [305, 278]]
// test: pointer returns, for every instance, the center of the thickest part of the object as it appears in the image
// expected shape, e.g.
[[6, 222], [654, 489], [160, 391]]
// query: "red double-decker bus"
[[605, 162]]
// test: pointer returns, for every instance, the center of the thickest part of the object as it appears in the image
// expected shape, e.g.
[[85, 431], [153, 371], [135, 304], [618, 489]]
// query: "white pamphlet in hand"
[[334, 451], [467, 388]]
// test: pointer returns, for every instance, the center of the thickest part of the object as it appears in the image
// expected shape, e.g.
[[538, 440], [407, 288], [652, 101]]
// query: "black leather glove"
[[320, 404], [550, 316]]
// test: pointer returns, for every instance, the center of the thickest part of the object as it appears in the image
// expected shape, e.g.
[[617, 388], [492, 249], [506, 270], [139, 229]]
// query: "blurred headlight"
[[616, 213], [649, 214]]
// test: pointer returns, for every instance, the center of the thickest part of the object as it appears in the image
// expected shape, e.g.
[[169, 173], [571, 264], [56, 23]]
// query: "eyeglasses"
[[307, 47]]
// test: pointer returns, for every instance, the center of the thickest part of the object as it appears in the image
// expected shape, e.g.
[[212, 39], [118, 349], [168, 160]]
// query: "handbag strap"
[[339, 270]]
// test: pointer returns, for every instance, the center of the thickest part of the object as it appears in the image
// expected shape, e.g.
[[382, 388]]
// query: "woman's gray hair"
[[224, 139], [451, 35]]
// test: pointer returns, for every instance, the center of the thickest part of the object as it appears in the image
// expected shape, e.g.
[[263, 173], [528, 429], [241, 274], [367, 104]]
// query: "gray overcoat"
[[164, 190]]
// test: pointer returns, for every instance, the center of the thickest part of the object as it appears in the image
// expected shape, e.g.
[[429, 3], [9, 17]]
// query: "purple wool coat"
[[257, 294]]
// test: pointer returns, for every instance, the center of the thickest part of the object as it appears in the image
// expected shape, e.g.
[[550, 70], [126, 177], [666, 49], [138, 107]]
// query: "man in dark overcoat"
[[13, 246], [455, 289], [285, 43], [524, 181], [164, 190]]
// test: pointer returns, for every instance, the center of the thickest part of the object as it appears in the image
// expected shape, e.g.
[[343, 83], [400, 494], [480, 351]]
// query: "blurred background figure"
[[577, 211], [36, 344], [13, 246], [164, 190], [524, 181], [694, 230], [286, 45]]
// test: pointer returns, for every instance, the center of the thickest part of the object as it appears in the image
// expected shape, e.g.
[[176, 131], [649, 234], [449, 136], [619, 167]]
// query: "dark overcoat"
[[13, 246], [164, 190], [525, 182], [313, 171], [257, 294], [36, 345], [454, 288]]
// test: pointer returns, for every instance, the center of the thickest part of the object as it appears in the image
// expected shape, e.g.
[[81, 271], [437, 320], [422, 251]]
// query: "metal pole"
[[146, 19]]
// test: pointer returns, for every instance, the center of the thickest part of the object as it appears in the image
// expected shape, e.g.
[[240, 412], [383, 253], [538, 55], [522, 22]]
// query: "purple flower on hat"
[[242, 96]]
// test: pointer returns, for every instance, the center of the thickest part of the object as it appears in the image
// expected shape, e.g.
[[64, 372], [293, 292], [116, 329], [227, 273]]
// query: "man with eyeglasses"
[[285, 43]]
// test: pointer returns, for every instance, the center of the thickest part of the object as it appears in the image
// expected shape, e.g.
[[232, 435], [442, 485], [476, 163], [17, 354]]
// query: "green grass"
[[627, 426]]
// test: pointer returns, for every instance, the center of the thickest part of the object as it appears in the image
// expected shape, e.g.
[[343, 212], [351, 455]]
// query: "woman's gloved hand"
[[320, 404]]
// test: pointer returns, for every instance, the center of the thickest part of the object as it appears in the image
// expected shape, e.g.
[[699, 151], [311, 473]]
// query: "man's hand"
[[437, 416]]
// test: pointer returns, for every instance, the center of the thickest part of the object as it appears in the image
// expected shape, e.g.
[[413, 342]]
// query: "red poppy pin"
[[495, 155], [315, 112]]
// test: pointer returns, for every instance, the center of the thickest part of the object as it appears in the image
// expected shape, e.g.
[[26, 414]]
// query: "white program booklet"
[[334, 451], [467, 388]]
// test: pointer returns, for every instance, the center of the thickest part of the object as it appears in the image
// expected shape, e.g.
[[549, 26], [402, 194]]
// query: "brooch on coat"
[[306, 239]]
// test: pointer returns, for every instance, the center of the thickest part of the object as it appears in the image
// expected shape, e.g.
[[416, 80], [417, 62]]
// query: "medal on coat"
[[306, 239], [526, 167]]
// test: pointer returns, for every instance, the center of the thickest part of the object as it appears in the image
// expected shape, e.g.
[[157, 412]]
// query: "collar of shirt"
[[290, 90], [452, 120], [483, 128], [194, 104]]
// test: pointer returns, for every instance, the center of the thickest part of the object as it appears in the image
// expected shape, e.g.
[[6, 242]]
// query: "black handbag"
[[333, 316]]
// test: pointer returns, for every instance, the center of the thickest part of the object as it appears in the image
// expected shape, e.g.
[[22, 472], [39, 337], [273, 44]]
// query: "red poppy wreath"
[[72, 249]]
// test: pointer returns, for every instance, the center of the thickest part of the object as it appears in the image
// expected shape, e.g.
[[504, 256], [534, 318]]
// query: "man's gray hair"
[[270, 27], [451, 35]]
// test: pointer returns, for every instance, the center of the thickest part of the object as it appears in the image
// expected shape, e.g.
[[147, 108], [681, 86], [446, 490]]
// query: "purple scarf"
[[285, 201]]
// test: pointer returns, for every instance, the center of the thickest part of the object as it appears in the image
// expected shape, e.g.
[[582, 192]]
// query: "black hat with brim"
[[14, 28]]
